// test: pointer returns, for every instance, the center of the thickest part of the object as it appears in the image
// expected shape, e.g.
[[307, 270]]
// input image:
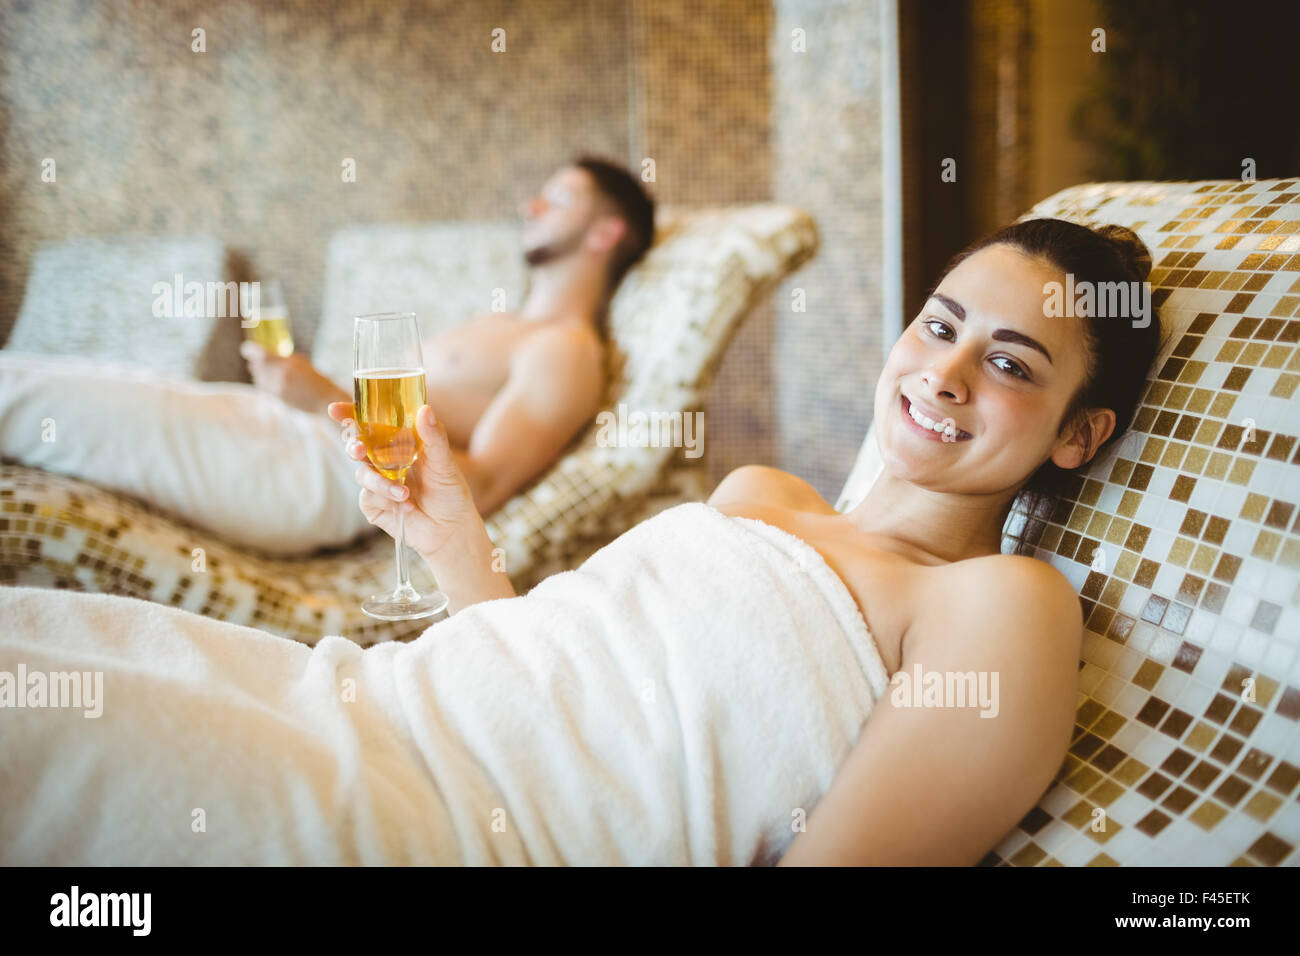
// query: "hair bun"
[[1133, 250]]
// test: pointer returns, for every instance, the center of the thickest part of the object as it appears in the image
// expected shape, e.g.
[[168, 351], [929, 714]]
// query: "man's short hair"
[[633, 205]]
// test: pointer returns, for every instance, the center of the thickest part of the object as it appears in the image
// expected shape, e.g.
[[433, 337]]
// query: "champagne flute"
[[270, 327], [388, 390]]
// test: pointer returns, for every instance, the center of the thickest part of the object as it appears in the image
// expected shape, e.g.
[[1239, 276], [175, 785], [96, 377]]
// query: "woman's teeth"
[[947, 429]]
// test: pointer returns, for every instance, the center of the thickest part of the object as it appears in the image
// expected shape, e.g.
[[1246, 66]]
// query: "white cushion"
[[94, 296], [866, 469], [223, 457]]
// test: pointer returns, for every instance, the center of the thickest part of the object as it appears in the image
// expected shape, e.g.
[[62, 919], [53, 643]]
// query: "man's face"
[[557, 218]]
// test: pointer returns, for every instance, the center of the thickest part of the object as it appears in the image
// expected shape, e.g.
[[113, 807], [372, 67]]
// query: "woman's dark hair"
[[1121, 348]]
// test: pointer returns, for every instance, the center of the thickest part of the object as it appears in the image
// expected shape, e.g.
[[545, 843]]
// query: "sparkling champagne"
[[272, 333], [386, 402]]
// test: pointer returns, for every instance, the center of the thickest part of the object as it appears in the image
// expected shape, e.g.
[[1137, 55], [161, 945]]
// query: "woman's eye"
[[930, 326], [1011, 367]]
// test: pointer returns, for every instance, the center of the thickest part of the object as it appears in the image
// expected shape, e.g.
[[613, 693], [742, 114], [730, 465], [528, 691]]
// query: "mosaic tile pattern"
[[59, 532], [670, 322], [823, 361], [1183, 541]]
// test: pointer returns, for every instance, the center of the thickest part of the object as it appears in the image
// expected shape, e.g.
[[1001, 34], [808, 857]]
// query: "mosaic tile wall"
[[826, 140], [246, 140]]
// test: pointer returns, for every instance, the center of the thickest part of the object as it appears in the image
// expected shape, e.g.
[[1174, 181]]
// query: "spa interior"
[[662, 270]]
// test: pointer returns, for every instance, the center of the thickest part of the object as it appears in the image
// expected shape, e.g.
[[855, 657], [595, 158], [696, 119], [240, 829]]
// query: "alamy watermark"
[[84, 689], [655, 429], [179, 299], [1123, 300], [946, 689], [75, 908]]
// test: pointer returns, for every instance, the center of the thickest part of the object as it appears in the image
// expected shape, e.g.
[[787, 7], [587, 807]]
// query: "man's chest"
[[476, 356]]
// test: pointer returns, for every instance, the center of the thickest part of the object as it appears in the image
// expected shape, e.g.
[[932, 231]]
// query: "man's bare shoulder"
[[568, 344]]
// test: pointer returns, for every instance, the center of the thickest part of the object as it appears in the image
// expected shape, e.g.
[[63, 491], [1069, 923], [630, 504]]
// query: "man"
[[513, 389]]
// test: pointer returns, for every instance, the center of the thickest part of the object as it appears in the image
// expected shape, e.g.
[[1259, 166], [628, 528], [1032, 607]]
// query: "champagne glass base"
[[399, 607]]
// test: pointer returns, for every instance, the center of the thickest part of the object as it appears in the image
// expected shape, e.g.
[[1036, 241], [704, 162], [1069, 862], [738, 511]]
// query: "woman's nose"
[[946, 375], [529, 207]]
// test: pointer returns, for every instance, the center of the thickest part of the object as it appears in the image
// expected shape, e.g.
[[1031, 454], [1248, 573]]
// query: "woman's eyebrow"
[[1001, 335], [1009, 335], [953, 306]]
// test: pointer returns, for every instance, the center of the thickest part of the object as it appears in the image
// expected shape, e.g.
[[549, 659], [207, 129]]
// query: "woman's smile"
[[942, 430]]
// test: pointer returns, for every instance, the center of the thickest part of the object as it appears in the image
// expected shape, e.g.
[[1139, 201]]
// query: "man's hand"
[[292, 379]]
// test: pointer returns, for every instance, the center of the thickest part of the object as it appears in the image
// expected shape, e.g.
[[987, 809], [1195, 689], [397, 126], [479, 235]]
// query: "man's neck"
[[564, 290]]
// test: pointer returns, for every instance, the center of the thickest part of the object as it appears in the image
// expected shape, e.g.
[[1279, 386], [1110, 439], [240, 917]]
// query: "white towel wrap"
[[675, 700]]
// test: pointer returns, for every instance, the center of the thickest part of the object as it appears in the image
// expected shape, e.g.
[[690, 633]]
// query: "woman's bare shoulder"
[[1004, 599], [766, 486], [1017, 579], [1013, 572]]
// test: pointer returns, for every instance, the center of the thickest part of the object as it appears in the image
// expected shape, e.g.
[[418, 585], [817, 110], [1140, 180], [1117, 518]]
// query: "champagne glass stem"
[[404, 588]]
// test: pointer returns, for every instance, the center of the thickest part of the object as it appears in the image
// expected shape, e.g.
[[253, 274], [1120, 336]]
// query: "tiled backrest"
[[1184, 544], [670, 321], [95, 297]]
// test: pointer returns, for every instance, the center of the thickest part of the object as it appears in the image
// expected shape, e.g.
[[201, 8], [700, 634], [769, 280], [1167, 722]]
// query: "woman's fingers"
[[373, 481], [342, 413], [437, 450], [374, 507], [427, 426]]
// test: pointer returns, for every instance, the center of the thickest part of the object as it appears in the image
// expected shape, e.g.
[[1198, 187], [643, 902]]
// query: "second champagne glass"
[[388, 390], [271, 326]]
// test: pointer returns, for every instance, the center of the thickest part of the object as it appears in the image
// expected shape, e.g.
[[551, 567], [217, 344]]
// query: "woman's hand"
[[435, 501]]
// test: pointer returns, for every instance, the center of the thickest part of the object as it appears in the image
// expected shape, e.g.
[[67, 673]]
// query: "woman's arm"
[[442, 524], [466, 569], [940, 785]]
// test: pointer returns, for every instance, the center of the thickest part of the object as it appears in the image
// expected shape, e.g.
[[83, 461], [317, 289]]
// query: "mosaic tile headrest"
[[1215, 434]]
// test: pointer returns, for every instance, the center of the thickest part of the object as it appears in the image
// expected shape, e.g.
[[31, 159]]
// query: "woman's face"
[[984, 361]]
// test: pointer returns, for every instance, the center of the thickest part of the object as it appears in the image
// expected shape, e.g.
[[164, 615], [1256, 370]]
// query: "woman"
[[688, 695], [1029, 395]]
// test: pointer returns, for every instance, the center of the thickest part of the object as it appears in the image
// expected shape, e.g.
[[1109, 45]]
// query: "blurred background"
[[846, 108]]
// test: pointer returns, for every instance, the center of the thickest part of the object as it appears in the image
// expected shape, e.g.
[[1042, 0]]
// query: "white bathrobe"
[[684, 697]]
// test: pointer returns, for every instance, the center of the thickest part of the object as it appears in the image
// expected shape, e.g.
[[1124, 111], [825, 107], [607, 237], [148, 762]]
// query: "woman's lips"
[[924, 432]]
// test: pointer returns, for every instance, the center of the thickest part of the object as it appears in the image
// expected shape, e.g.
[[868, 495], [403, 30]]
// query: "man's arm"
[[940, 785], [292, 379], [556, 383]]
